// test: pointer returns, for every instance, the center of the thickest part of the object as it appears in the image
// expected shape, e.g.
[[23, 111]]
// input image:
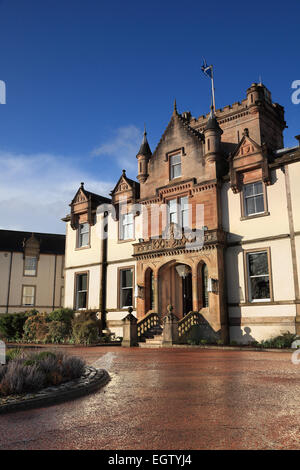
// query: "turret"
[[212, 133], [143, 156]]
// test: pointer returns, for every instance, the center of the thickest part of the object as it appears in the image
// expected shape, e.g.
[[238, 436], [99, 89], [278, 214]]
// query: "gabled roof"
[[185, 125], [243, 141], [96, 198], [134, 185], [50, 243]]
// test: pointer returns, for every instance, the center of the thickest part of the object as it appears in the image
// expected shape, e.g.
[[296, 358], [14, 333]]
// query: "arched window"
[[204, 286]]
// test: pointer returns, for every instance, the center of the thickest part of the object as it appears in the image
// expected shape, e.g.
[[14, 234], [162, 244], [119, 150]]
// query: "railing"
[[145, 324], [189, 320]]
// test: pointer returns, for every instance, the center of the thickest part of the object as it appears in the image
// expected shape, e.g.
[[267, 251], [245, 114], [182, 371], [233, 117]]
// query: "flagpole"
[[213, 89]]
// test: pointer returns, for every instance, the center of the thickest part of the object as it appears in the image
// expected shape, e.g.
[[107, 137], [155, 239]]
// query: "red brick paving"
[[171, 399]]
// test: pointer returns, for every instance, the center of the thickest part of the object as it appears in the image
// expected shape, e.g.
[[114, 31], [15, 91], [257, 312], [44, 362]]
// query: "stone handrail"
[[149, 321], [184, 325]]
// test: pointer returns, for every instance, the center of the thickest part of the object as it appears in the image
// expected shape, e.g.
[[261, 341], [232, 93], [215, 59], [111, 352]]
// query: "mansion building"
[[131, 250], [31, 271]]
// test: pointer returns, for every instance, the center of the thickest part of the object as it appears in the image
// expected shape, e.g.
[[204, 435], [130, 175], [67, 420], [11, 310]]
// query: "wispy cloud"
[[35, 190], [123, 146]]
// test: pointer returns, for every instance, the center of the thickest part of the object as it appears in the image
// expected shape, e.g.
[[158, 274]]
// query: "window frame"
[[121, 227], [120, 269], [265, 212], [34, 295], [171, 166], [179, 210], [248, 295], [76, 274], [36, 267], [82, 247]]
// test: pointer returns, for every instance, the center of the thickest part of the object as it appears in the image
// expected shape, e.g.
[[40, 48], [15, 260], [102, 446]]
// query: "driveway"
[[188, 398]]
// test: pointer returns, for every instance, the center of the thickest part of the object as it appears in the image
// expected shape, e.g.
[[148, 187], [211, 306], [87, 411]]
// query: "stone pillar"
[[130, 337], [155, 292], [195, 290], [170, 331]]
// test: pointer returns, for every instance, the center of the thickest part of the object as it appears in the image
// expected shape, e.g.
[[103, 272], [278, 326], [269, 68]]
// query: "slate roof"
[[50, 243], [96, 198], [145, 147]]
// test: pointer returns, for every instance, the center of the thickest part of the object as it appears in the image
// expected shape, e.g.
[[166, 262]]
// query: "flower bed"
[[27, 372]]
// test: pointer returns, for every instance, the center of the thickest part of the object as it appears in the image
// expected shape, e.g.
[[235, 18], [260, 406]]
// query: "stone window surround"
[[75, 290], [34, 295], [246, 276]]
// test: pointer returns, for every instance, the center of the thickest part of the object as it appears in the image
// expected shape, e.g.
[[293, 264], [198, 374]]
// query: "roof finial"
[[175, 107], [82, 185], [124, 172]]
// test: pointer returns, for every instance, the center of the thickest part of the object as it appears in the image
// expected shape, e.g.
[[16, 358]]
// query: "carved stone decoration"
[[248, 156], [164, 245]]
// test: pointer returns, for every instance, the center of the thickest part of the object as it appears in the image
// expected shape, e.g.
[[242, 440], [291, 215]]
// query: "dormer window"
[[83, 235], [175, 166], [254, 199]]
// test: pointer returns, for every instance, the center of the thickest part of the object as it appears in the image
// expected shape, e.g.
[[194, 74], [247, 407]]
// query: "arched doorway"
[[175, 288]]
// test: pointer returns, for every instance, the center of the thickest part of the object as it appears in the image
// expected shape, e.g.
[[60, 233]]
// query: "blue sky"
[[83, 76]]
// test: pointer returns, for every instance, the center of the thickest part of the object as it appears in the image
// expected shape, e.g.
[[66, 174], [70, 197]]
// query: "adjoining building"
[[244, 278], [31, 271]]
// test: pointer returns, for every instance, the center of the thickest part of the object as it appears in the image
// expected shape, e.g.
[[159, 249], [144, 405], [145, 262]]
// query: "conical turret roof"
[[145, 147]]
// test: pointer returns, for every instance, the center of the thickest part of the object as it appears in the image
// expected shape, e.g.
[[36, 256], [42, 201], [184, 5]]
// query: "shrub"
[[12, 325], [86, 328], [86, 332], [36, 328], [20, 378], [58, 331], [64, 315], [32, 372], [15, 353], [283, 341], [72, 367]]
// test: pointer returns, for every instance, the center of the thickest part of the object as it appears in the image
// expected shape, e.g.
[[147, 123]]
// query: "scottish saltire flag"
[[206, 69]]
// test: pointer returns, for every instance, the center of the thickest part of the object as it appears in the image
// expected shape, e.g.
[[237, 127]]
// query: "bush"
[[283, 341], [86, 332], [15, 353], [12, 325], [36, 328], [58, 331], [20, 378], [32, 372], [86, 328], [72, 367], [63, 315]]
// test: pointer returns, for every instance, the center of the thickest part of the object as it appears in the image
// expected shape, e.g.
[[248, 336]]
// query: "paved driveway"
[[171, 399]]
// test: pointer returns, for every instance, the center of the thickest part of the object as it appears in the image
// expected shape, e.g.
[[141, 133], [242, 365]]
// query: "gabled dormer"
[[125, 189], [249, 161], [84, 206]]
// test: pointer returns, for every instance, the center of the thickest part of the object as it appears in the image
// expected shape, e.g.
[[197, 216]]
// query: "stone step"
[[150, 345], [154, 341]]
